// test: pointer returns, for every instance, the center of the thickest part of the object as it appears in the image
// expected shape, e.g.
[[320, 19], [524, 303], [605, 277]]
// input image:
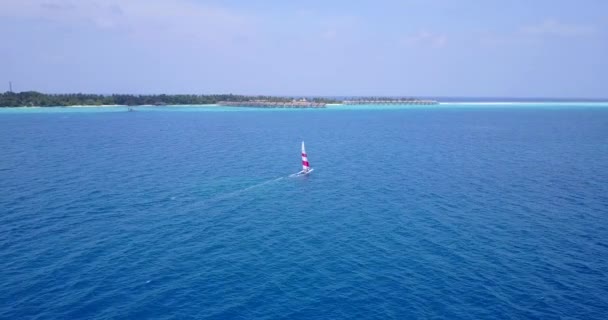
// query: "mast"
[[305, 164]]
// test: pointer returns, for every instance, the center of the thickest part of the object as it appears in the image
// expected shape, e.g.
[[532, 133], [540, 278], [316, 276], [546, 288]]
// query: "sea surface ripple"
[[464, 213]]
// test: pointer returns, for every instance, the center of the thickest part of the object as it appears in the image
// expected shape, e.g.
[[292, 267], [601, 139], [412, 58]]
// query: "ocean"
[[464, 211]]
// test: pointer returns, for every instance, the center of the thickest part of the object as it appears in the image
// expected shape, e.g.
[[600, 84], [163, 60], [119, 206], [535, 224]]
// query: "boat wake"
[[306, 170], [241, 191], [260, 184]]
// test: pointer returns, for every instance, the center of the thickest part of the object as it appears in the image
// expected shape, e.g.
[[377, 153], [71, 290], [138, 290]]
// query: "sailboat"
[[306, 169]]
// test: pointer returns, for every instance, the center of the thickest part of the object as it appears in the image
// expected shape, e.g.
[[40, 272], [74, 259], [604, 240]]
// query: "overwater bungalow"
[[273, 104], [391, 101]]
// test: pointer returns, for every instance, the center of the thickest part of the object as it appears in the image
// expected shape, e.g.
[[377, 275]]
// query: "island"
[[38, 99]]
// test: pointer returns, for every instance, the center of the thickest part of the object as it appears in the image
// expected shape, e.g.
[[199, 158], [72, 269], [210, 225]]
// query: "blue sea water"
[[449, 212]]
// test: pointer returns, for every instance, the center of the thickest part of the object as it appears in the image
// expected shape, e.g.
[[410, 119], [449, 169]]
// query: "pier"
[[273, 104], [303, 103], [391, 101]]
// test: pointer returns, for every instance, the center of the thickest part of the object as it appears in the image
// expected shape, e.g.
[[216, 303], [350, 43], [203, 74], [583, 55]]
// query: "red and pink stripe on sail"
[[305, 164]]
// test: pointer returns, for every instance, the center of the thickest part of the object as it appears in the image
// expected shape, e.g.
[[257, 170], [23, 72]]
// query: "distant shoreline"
[[33, 99], [476, 103], [443, 105], [350, 106], [119, 106], [138, 106]]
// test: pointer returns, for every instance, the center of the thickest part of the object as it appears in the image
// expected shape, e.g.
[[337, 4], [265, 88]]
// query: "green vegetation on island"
[[33, 98]]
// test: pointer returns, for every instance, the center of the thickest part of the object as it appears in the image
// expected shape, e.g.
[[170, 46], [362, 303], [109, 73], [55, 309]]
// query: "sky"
[[449, 48]]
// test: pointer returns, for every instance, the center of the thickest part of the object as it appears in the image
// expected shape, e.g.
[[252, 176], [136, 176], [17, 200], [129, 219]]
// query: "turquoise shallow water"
[[330, 107], [468, 212]]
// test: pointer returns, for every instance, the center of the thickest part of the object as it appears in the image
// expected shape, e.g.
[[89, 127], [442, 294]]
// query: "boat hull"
[[302, 173]]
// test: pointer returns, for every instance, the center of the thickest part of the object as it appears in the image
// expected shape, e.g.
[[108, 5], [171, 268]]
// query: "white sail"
[[305, 163], [306, 169]]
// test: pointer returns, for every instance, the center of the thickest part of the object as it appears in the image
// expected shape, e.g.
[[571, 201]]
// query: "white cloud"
[[425, 38], [178, 19], [552, 27], [329, 34], [537, 33]]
